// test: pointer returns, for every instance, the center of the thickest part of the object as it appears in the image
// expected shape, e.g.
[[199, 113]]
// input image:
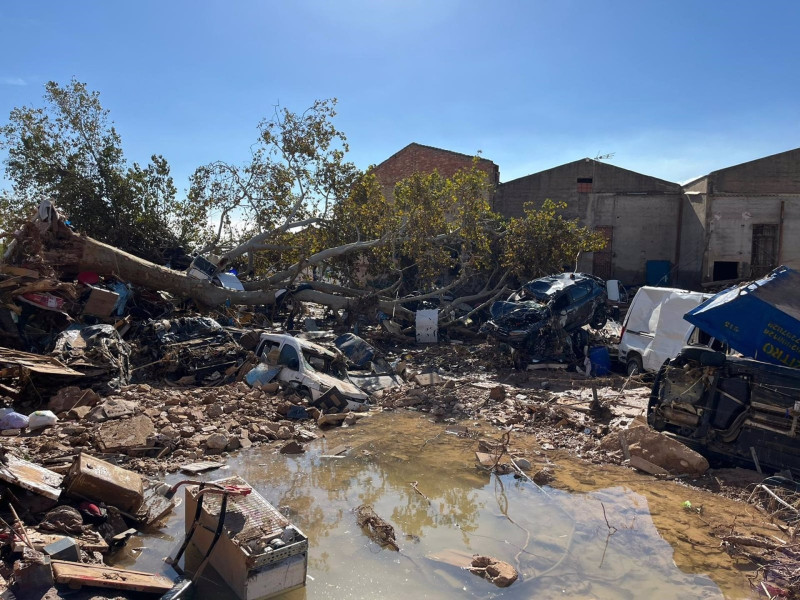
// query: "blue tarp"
[[759, 319]]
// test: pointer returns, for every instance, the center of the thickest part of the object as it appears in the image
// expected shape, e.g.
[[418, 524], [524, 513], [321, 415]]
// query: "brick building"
[[417, 158]]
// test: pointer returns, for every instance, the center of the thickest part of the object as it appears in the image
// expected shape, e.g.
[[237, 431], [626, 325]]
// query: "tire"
[[599, 318], [634, 365]]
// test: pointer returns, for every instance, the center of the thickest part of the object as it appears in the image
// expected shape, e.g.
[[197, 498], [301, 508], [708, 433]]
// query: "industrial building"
[[733, 224]]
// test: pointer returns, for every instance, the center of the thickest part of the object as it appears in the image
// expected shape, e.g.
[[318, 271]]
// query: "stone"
[[122, 435], [498, 572], [70, 397], [234, 443], [292, 447], [658, 450], [215, 411], [497, 393], [112, 408], [284, 433], [426, 379], [217, 441], [79, 412], [523, 463], [304, 435], [170, 432]]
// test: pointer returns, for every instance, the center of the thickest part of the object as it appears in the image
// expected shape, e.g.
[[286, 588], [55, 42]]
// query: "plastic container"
[[601, 361]]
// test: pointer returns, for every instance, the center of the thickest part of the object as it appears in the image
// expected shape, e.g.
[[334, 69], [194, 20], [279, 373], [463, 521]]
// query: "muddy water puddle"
[[598, 533]]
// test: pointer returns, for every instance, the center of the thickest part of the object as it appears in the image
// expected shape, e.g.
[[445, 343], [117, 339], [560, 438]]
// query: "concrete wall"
[[776, 174], [417, 158], [692, 236], [730, 229], [644, 229], [642, 210], [560, 184]]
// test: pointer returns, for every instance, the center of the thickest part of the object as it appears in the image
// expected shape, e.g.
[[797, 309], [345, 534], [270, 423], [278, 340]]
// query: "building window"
[[584, 185], [725, 270], [764, 255]]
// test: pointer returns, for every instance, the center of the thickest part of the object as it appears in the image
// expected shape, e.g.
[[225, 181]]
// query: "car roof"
[[303, 344], [558, 282]]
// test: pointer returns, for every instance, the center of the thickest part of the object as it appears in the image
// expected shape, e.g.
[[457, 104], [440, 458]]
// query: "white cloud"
[[12, 81]]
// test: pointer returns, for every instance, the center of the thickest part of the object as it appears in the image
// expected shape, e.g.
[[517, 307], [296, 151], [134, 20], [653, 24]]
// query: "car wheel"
[[599, 319], [634, 365], [305, 394]]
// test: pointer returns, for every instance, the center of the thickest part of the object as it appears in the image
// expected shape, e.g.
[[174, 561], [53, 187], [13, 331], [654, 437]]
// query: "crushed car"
[[545, 316], [731, 409], [313, 370]]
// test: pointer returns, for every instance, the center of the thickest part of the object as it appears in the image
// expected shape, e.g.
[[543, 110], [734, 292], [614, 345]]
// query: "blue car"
[[540, 316]]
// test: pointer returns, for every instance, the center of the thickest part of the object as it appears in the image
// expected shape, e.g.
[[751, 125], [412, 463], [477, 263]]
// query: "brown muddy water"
[[557, 538]]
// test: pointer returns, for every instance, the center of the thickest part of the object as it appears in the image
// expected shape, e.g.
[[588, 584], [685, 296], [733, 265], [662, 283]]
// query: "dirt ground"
[[156, 428]]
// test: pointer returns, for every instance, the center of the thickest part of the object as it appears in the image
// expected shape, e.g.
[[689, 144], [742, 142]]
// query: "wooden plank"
[[641, 464], [35, 362], [77, 575], [90, 541], [32, 477], [455, 558], [18, 271]]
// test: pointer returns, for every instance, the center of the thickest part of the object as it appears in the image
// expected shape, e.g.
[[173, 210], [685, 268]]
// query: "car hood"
[[345, 387], [518, 312]]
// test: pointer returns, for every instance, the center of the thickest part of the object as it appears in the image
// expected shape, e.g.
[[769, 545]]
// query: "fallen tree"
[[297, 216]]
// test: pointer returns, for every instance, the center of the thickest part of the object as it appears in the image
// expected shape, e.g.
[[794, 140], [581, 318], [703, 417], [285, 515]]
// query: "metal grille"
[[764, 255], [248, 517]]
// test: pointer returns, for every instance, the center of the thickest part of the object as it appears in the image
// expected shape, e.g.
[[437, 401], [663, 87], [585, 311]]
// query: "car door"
[[289, 359], [580, 307]]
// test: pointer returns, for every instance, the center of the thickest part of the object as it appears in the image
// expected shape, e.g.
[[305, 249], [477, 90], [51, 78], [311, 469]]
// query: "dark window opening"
[[584, 185], [289, 358], [725, 269], [764, 255]]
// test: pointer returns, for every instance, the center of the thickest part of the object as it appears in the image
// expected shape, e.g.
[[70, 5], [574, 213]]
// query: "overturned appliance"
[[541, 316], [253, 547], [730, 409]]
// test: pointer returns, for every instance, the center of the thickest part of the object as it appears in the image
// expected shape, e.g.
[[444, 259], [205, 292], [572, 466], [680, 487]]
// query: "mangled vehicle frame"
[[544, 318], [735, 409]]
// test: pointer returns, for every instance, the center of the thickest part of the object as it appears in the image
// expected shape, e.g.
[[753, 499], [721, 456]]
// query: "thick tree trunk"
[[69, 251]]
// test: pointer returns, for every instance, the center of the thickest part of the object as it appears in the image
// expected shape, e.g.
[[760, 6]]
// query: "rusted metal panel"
[[98, 480]]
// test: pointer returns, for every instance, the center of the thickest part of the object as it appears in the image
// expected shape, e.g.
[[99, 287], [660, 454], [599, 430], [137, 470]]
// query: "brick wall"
[[416, 158]]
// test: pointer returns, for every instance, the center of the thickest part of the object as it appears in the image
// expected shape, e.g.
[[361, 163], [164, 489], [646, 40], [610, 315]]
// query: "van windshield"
[[323, 364]]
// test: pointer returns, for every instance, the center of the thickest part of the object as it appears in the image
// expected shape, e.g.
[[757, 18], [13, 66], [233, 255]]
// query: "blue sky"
[[673, 89]]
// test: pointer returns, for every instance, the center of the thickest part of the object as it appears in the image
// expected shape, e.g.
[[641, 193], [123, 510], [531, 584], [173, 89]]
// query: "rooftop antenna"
[[608, 156]]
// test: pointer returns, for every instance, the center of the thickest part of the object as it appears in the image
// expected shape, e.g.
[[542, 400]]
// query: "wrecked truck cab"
[[731, 409], [310, 368], [567, 301]]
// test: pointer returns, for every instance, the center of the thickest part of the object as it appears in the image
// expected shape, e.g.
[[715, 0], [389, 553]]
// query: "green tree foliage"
[[435, 229], [543, 241], [68, 150], [297, 170]]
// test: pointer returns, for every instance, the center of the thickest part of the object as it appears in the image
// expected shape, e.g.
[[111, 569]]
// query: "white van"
[[654, 329]]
